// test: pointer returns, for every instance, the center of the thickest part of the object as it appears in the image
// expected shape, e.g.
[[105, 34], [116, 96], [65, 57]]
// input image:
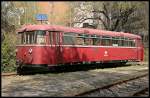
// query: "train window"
[[126, 42], [106, 41], [81, 35], [68, 39], [40, 37], [57, 37], [27, 38], [22, 38], [129, 43], [51, 37], [133, 43], [86, 36], [96, 41], [120, 41], [70, 34], [115, 41], [31, 38], [80, 39], [88, 40]]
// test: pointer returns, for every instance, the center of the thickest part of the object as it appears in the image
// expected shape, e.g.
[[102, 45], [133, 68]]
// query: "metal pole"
[[41, 19], [70, 17]]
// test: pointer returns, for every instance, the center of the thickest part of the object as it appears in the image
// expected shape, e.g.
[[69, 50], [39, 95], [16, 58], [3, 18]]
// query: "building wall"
[[56, 11]]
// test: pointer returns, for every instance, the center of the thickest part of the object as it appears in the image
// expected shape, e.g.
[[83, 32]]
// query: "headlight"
[[30, 50], [16, 50]]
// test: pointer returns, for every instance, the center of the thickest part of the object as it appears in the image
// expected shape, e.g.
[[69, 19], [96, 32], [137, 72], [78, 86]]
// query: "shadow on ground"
[[71, 68]]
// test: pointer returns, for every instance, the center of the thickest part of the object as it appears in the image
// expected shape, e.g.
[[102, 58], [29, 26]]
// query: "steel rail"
[[110, 85], [9, 74]]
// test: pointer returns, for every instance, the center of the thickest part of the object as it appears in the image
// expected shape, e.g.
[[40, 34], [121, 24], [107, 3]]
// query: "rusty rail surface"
[[9, 74], [110, 85], [140, 92]]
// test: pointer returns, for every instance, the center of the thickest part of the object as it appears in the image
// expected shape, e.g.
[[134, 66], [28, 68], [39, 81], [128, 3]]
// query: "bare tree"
[[114, 16]]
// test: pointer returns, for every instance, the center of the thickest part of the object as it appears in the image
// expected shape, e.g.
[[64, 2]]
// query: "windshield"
[[33, 37]]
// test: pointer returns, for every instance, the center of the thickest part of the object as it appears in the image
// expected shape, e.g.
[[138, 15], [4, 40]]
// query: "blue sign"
[[41, 17]]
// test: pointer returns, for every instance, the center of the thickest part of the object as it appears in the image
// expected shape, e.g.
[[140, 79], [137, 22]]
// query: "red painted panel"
[[98, 54], [40, 54], [47, 54]]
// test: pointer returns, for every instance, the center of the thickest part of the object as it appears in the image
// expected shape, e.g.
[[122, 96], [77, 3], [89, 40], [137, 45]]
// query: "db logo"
[[106, 53]]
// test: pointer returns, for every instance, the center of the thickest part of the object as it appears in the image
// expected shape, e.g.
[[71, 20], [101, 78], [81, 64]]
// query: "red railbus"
[[47, 45]]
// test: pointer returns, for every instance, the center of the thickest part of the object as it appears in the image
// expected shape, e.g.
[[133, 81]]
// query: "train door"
[[140, 50], [57, 37]]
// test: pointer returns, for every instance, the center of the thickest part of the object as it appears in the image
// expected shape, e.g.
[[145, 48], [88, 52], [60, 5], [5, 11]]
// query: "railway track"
[[143, 92], [131, 87], [9, 74]]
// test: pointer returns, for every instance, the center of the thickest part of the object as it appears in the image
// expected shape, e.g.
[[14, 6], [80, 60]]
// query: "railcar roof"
[[50, 28], [76, 30]]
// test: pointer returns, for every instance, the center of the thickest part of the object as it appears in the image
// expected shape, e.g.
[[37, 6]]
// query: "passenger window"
[[57, 37], [88, 40], [120, 41], [96, 40], [27, 38], [69, 38], [51, 37], [106, 41], [23, 38], [115, 41], [80, 39], [40, 37], [133, 43], [126, 42], [130, 43]]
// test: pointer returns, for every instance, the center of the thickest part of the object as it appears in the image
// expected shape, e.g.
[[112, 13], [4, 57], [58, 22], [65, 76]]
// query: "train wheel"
[[22, 70], [19, 70], [123, 63]]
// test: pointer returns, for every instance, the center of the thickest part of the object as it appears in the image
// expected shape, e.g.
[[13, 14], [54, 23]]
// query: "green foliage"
[[146, 54], [8, 54]]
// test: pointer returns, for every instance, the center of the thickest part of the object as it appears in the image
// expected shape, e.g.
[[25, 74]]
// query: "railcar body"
[[55, 45]]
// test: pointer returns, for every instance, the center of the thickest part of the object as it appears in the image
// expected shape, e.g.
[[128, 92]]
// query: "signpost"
[[41, 17]]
